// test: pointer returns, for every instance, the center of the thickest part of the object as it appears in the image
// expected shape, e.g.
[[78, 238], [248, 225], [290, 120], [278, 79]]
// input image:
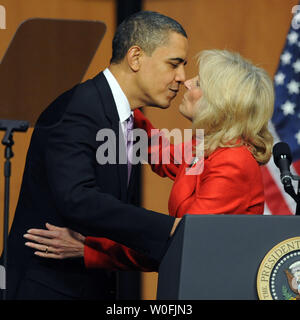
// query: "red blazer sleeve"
[[106, 254], [159, 149]]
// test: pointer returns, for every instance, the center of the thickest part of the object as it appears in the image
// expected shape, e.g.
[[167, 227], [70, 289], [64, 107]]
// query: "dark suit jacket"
[[64, 185]]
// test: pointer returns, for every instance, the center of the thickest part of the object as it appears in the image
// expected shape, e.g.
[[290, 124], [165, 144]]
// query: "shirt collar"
[[121, 100]]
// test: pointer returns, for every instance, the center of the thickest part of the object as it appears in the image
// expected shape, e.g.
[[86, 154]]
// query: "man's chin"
[[160, 106]]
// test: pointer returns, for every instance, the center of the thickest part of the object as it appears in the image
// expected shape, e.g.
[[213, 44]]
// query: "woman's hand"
[[56, 242], [176, 222]]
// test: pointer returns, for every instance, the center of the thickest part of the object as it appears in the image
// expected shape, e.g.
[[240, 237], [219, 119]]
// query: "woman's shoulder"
[[239, 155]]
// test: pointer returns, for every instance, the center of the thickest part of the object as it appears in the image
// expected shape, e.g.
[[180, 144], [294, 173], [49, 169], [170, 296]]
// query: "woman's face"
[[191, 98]]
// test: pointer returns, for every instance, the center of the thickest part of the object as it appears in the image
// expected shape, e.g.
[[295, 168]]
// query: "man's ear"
[[134, 56]]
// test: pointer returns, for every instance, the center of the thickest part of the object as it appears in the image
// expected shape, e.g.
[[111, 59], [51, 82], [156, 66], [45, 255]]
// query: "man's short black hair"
[[146, 29]]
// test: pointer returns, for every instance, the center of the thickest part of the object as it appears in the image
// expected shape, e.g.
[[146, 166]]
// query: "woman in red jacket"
[[232, 100]]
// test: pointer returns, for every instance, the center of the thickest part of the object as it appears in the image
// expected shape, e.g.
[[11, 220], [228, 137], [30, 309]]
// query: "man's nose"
[[180, 75]]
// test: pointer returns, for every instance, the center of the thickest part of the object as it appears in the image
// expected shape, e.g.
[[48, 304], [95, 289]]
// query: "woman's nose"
[[187, 84]]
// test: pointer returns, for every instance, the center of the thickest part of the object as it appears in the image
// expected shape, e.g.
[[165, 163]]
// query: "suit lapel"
[[133, 174], [110, 110]]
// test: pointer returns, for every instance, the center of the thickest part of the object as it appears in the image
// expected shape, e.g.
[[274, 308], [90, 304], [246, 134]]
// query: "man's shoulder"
[[82, 98]]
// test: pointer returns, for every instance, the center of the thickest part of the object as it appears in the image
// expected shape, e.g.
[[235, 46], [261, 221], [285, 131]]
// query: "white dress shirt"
[[121, 100]]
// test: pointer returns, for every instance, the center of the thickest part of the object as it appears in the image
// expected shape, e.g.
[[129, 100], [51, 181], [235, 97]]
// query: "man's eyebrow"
[[180, 60]]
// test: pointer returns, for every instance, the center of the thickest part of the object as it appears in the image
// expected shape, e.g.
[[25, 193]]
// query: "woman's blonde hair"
[[237, 103]]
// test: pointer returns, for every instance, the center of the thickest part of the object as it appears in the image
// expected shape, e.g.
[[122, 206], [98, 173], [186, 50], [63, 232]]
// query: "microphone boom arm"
[[282, 157]]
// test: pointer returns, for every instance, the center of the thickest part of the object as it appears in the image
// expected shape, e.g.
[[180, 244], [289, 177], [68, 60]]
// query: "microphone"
[[13, 125], [9, 126], [283, 158]]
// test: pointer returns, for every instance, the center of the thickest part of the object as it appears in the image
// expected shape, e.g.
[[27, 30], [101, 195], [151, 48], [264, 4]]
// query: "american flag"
[[285, 123]]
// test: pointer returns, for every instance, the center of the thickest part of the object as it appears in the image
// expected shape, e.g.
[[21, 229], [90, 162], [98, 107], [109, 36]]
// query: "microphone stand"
[[298, 200], [9, 126], [289, 189]]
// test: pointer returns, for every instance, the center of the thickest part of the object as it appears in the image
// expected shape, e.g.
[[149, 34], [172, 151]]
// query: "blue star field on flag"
[[286, 117]]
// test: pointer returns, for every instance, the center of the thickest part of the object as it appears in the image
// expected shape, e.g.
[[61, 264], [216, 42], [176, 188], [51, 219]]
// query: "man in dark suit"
[[65, 185]]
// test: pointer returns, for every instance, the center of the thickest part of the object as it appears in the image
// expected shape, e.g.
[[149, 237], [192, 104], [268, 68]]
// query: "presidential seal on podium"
[[278, 277]]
